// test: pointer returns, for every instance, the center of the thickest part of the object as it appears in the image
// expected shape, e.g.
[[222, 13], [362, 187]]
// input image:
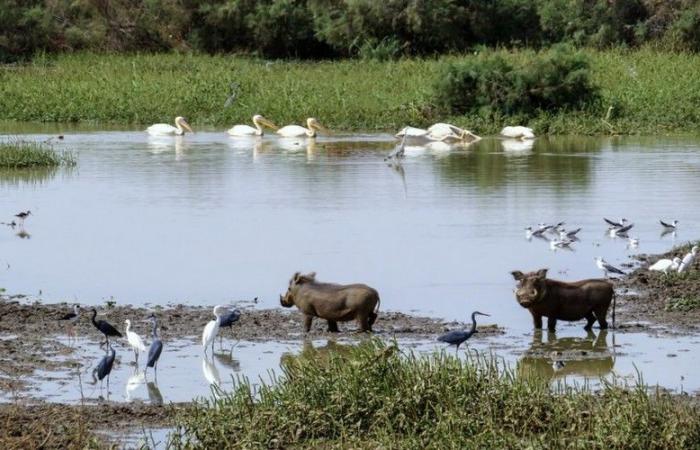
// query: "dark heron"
[[458, 337], [398, 153], [72, 318], [156, 346], [231, 317], [105, 327], [104, 368]]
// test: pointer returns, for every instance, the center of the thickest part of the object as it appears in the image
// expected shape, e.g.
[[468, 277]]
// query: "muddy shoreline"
[[669, 301]]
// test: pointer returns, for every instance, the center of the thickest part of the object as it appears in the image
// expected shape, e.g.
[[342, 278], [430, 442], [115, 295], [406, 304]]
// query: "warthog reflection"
[[588, 357]]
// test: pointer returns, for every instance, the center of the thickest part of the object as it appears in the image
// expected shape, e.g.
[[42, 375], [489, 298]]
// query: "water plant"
[[22, 154], [375, 396]]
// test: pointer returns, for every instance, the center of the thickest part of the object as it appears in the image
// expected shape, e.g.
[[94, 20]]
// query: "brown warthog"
[[559, 300], [333, 302]]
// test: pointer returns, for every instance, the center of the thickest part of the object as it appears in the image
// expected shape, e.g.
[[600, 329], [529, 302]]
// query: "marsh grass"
[[650, 92], [21, 154], [373, 396]]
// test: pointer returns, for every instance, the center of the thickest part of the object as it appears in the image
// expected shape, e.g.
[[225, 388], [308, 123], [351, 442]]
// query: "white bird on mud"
[[135, 341], [211, 329], [607, 268], [312, 126], [664, 265], [669, 226], [246, 130], [164, 129], [688, 260], [518, 132]]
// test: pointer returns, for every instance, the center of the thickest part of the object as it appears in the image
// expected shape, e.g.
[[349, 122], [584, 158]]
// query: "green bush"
[[493, 85], [19, 154]]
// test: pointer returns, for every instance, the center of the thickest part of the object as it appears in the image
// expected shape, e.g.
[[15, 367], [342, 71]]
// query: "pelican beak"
[[269, 124], [186, 126], [320, 127]]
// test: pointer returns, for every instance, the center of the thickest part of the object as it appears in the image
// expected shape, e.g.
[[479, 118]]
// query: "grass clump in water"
[[20, 154], [375, 397]]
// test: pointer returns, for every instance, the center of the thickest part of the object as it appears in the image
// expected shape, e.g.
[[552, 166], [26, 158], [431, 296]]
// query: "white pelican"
[[664, 265], [246, 130], [312, 126], [163, 129], [518, 132], [517, 146], [438, 132]]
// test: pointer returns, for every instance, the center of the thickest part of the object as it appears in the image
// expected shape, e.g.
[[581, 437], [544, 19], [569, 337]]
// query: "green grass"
[[651, 92], [683, 304], [20, 154], [372, 396]]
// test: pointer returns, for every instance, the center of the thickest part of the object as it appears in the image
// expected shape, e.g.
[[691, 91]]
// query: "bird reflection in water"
[[226, 359], [211, 373], [154, 395], [133, 383]]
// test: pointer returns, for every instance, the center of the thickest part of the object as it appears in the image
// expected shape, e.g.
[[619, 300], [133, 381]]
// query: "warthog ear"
[[518, 275], [311, 276], [295, 278], [542, 273]]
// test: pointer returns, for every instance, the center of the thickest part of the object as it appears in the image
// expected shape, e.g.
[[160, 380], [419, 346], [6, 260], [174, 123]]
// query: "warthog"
[[559, 300], [333, 302]]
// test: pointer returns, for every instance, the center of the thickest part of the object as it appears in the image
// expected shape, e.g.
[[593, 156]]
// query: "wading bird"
[[164, 129], [669, 226], [231, 317], [664, 265], [135, 341], [211, 329], [105, 327], [104, 367], [246, 130], [72, 318], [607, 268], [23, 215], [688, 259], [518, 132], [398, 153], [156, 347], [457, 337], [312, 126]]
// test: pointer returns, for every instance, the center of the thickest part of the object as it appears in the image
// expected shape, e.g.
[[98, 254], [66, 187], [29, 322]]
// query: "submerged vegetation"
[[19, 154], [649, 92], [374, 397]]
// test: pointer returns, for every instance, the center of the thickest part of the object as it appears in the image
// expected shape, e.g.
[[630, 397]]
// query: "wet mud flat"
[[670, 300]]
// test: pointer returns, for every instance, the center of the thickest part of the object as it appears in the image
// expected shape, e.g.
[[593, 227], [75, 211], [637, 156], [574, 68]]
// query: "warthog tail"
[[613, 311], [376, 308]]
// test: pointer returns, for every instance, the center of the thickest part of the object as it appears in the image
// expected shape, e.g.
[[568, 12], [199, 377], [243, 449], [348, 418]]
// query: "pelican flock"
[[164, 129]]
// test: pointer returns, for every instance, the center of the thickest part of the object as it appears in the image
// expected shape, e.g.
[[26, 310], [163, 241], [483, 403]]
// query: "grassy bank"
[[374, 397], [651, 92], [19, 154]]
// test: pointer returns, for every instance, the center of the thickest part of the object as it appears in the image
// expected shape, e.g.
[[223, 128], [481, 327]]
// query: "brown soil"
[[46, 425], [670, 300]]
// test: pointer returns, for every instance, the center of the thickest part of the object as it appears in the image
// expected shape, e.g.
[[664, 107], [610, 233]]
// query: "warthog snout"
[[531, 287]]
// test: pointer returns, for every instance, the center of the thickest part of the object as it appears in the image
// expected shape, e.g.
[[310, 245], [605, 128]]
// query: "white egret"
[[664, 265], [688, 259], [518, 132], [135, 341], [312, 126], [164, 129], [246, 130], [211, 329]]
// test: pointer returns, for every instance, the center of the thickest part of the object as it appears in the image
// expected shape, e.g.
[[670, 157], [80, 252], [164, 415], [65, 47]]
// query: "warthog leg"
[[307, 323], [332, 326], [537, 320], [551, 324], [600, 314], [590, 319]]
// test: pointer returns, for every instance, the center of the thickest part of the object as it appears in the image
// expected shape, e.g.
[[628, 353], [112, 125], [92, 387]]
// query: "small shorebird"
[[669, 226], [23, 215], [607, 268]]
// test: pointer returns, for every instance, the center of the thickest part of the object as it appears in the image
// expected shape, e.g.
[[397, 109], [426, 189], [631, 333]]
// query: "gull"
[[560, 243], [605, 267], [568, 234], [633, 242], [614, 224], [669, 226], [622, 231], [664, 265], [688, 259], [539, 231]]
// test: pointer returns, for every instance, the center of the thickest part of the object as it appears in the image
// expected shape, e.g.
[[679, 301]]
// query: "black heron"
[[156, 346], [105, 327], [457, 337], [104, 368]]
